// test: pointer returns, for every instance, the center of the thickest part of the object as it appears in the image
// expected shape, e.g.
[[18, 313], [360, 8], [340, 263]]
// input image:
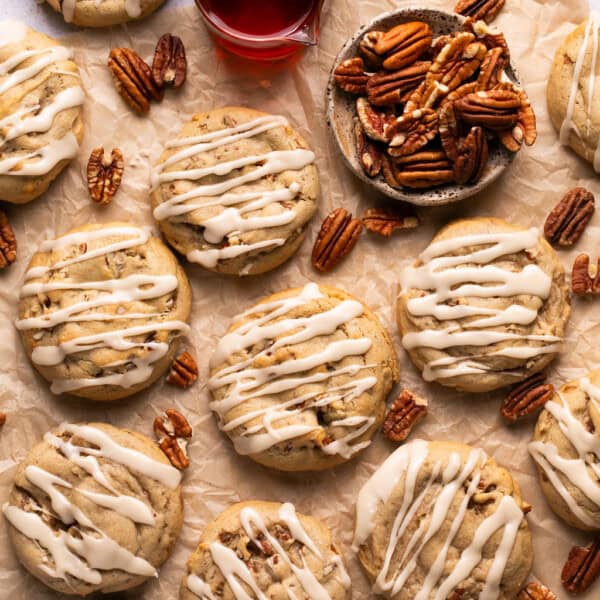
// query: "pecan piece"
[[472, 156], [390, 88], [494, 109], [491, 38], [385, 220], [173, 433], [448, 121], [184, 371], [351, 77], [169, 65], [527, 397], [133, 79], [336, 238], [369, 155], [536, 591], [366, 48], [491, 69], [374, 123], [410, 132], [567, 220], [582, 567], [8, 242], [422, 170], [585, 278], [404, 413], [404, 44], [525, 129], [103, 175], [486, 10], [2, 418]]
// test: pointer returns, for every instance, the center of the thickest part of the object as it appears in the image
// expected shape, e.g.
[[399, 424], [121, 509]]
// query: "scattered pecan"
[[173, 432], [351, 77], [582, 567], [369, 155], [494, 109], [8, 242], [133, 79], [404, 413], [385, 220], [374, 122], [567, 220], [472, 156], [184, 371], [402, 45], [2, 418], [527, 397], [410, 132], [169, 65], [336, 238], [585, 278], [422, 169], [104, 175], [487, 10], [388, 88], [536, 591]]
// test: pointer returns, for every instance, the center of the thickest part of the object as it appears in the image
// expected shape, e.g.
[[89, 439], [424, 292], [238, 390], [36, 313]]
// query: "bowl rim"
[[420, 197]]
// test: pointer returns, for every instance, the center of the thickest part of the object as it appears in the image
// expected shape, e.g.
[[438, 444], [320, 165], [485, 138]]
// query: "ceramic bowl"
[[341, 111]]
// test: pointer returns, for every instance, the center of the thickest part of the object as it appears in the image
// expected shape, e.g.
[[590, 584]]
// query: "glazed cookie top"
[[566, 448], [300, 380], [101, 308], [94, 507], [442, 517], [103, 13], [485, 305], [268, 551], [235, 190], [40, 111]]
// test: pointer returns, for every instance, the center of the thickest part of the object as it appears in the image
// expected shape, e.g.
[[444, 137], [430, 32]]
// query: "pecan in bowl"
[[425, 105]]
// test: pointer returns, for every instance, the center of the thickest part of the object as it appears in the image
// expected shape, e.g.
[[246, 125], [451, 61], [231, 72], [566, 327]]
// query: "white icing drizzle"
[[234, 569], [444, 277], [27, 118], [582, 472], [111, 292], [90, 550], [404, 465], [133, 8], [231, 222], [249, 383]]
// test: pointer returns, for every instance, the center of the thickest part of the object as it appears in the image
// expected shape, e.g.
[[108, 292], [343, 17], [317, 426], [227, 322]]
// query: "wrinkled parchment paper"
[[218, 477]]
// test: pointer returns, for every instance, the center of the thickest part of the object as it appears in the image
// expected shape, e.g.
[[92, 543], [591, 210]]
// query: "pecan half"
[[366, 48], [369, 155], [2, 418], [173, 432], [494, 109], [133, 79], [351, 77], [170, 64], [184, 371], [487, 10], [404, 413], [491, 69], [422, 169], [449, 125], [527, 397], [492, 38], [388, 88], [336, 238], [585, 278], [567, 220], [582, 567], [472, 156], [374, 122], [536, 591], [103, 175], [8, 242], [385, 220], [525, 129], [410, 132], [404, 44]]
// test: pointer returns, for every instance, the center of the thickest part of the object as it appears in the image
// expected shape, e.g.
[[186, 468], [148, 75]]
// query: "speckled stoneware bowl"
[[341, 112]]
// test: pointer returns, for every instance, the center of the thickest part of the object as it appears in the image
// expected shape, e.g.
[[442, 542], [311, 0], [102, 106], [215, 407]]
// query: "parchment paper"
[[218, 477]]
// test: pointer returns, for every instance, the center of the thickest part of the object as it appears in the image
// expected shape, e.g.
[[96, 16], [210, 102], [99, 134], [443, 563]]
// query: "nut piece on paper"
[[385, 220], [173, 433], [8, 242], [527, 398], [2, 418], [104, 175], [585, 278], [184, 371], [536, 591], [169, 66], [485, 10], [582, 567], [404, 413], [568, 219]]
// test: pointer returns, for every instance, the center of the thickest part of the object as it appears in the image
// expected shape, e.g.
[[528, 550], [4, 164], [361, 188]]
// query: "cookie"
[[442, 520], [486, 305], [103, 13], [566, 449], [41, 108], [235, 191], [573, 91], [269, 550], [101, 310], [300, 380], [94, 508]]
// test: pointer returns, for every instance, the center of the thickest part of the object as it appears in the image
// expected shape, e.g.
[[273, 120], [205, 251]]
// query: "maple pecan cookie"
[[101, 310], [300, 380], [269, 549], [573, 92], [566, 449], [443, 520], [94, 508], [103, 13], [41, 102], [235, 191], [485, 305]]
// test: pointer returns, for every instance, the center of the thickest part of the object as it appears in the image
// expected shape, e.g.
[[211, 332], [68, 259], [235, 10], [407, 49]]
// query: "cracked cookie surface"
[[103, 13]]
